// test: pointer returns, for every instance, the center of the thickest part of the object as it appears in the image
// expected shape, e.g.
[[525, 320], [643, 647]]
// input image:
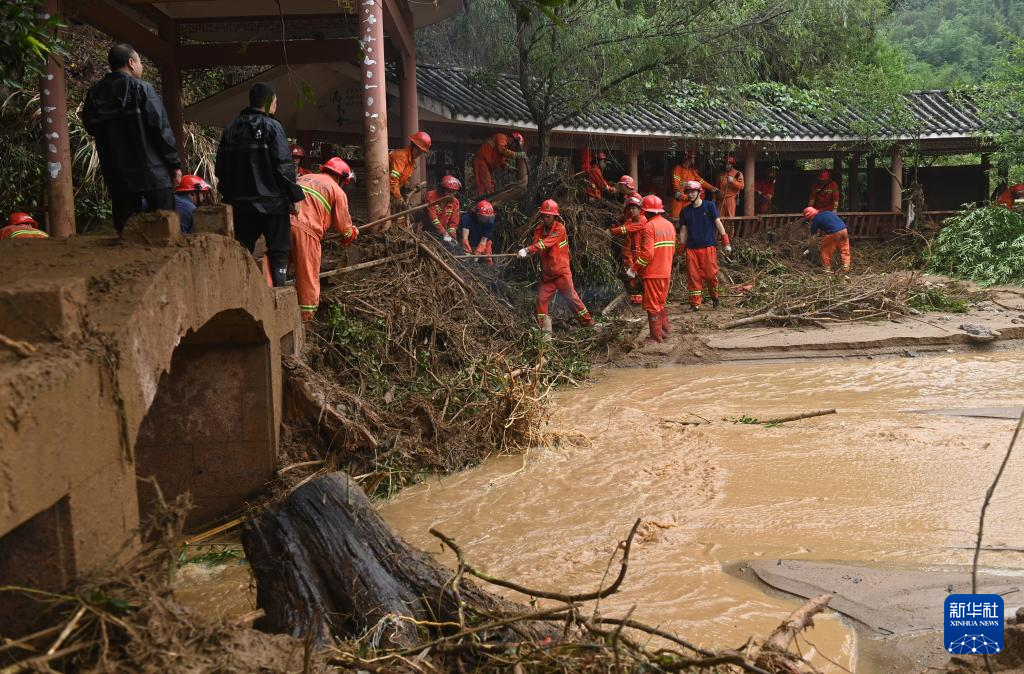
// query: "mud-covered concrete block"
[[42, 309], [158, 228], [213, 219]]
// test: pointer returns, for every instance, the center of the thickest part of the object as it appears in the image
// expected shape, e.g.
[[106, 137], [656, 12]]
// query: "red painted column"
[[53, 98], [749, 176], [375, 116], [410, 107]]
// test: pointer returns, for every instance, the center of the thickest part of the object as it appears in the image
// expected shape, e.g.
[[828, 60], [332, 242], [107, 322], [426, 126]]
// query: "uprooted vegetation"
[[981, 244], [425, 364], [783, 284]]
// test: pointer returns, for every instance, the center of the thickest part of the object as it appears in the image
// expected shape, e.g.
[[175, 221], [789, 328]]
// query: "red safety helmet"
[[20, 218], [730, 159], [652, 204], [486, 208], [518, 137], [628, 181], [634, 200], [549, 207], [824, 175], [451, 183], [190, 183], [420, 139], [1017, 189], [297, 151], [691, 185], [810, 212], [340, 168]]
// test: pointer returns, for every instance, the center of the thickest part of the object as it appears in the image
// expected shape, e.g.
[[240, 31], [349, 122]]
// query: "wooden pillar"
[[896, 184], [749, 176], [170, 84], [634, 163], [853, 183], [375, 116], [53, 98], [984, 186], [410, 108]]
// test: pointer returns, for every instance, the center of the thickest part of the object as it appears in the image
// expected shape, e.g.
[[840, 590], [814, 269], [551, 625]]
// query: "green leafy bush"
[[981, 244]]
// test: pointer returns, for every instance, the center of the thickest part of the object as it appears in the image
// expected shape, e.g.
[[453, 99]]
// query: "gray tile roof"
[[466, 97]]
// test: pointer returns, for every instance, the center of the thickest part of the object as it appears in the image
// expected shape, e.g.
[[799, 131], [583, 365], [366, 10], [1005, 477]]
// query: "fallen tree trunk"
[[774, 655], [327, 566]]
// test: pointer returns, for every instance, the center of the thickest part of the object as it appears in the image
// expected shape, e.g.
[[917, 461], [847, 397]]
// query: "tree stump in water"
[[326, 565]]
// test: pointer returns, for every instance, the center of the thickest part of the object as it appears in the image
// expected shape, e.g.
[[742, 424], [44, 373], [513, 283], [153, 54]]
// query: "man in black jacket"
[[134, 140], [256, 176]]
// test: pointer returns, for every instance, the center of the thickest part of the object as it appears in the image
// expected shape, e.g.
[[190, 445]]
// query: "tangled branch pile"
[[427, 363], [981, 244]]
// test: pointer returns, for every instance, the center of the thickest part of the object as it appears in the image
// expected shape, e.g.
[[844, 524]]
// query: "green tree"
[[1000, 103], [25, 42]]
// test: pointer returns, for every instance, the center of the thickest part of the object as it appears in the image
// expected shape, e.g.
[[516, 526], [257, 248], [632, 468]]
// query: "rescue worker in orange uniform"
[[730, 184], [325, 205], [297, 154], [824, 194], [551, 241], [626, 187], [764, 191], [402, 164], [597, 185], [654, 263], [478, 232], [497, 152], [681, 175], [22, 226], [837, 236], [699, 225], [631, 230], [443, 217], [1010, 195]]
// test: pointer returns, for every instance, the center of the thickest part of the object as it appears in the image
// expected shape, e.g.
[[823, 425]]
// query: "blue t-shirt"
[[185, 209], [700, 225], [477, 229], [828, 222]]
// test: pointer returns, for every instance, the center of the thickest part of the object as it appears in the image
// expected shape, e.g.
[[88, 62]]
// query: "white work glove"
[[448, 238], [806, 252], [630, 273], [728, 249], [523, 252]]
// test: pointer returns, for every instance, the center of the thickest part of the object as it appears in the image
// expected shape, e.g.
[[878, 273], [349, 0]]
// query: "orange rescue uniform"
[[402, 166], [764, 192], [443, 217], [597, 185], [824, 197], [1005, 198], [325, 206], [680, 176], [556, 275], [728, 192], [632, 230], [493, 154], [22, 232], [654, 262]]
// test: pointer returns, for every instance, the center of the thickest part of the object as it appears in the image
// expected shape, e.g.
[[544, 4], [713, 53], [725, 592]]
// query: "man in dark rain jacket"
[[134, 140], [257, 177]]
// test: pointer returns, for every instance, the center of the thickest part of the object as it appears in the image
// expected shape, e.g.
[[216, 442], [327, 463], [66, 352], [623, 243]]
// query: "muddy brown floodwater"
[[875, 483]]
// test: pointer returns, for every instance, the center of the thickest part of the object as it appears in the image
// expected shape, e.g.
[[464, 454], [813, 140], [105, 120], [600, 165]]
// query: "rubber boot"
[[587, 321], [654, 324], [665, 328]]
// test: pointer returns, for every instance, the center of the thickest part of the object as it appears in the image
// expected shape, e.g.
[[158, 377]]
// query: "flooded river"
[[874, 483], [877, 483]]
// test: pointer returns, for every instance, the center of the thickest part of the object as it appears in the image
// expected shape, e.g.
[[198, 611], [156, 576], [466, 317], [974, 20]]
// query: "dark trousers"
[[124, 205], [276, 230]]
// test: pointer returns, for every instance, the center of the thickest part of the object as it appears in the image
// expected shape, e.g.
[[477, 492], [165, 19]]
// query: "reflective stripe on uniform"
[[308, 307], [540, 245], [321, 198], [395, 174], [642, 262], [696, 292], [563, 244], [663, 244], [21, 232]]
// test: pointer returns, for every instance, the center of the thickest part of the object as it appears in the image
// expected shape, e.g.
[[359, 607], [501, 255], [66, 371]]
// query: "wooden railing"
[[862, 224]]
